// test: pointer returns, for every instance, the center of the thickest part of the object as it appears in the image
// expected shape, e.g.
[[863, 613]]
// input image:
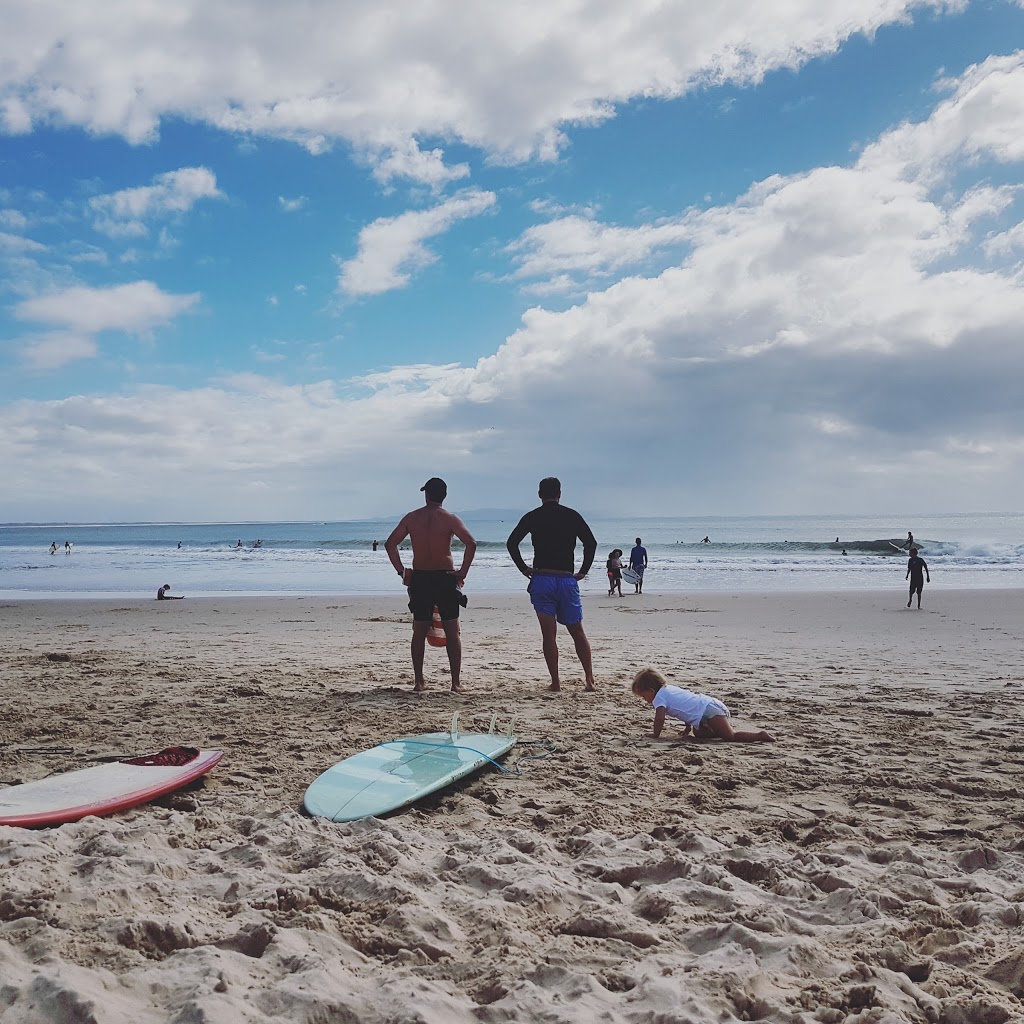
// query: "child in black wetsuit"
[[917, 571]]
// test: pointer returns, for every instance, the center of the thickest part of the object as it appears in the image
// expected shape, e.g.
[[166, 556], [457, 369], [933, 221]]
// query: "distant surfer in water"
[[162, 595], [554, 587], [917, 571], [909, 542], [433, 580]]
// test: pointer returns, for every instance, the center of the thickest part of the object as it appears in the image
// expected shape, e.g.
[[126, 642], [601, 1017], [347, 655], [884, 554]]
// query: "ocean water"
[[745, 553]]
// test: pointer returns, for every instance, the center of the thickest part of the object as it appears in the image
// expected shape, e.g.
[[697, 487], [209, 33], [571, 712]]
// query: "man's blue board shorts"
[[558, 596]]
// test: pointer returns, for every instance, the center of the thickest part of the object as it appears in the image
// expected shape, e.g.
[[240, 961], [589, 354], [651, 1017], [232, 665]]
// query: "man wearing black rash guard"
[[554, 585]]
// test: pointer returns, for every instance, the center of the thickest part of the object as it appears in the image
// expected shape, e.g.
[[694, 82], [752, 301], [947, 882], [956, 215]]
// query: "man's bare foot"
[[590, 687], [419, 687], [457, 688], [765, 737], [555, 687]]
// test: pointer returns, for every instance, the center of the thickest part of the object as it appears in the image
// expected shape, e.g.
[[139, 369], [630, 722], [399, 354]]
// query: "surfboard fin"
[[455, 726], [510, 731], [494, 722]]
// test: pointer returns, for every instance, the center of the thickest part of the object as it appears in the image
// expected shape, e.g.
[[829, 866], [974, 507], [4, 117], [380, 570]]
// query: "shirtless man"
[[554, 586], [433, 580]]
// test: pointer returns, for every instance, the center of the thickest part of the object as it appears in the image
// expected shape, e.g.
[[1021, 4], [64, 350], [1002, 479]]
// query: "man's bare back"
[[432, 590], [431, 529]]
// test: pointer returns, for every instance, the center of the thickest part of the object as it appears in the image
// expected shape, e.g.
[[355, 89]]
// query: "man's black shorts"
[[434, 588]]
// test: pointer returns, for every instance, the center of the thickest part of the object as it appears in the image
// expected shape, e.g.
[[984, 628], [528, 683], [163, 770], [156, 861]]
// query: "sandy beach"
[[868, 867]]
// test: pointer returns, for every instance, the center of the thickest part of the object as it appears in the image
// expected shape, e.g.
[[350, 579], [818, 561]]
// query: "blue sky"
[[753, 258]]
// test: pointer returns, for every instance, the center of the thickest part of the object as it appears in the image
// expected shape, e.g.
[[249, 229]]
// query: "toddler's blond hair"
[[648, 680]]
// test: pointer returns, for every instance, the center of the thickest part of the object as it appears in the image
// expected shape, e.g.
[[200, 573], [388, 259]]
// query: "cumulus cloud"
[[392, 249], [407, 160], [137, 308], [19, 243], [123, 214], [13, 219], [292, 205], [54, 350], [1005, 243], [76, 315], [574, 250], [384, 76], [830, 336]]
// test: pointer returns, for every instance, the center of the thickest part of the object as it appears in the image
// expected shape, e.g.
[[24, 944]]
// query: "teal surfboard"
[[397, 773]]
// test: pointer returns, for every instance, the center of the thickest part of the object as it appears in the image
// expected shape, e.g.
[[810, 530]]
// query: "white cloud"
[[1005, 243], [574, 246], [123, 214], [391, 249], [15, 116], [406, 160], [52, 351], [137, 308], [980, 119], [19, 243], [829, 341], [292, 205], [383, 76], [13, 219]]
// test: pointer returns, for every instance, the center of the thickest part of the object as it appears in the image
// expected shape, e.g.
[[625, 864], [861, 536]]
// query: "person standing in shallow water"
[[433, 580], [917, 570], [638, 563], [554, 588]]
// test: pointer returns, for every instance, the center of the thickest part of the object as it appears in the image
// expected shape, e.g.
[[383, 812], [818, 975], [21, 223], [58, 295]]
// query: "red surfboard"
[[103, 789]]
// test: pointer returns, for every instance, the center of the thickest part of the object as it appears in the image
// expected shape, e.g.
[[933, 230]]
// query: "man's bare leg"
[[549, 634], [454, 644], [419, 639], [579, 638]]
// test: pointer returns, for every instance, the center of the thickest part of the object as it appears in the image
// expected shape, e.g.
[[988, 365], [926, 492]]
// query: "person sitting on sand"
[[707, 717], [162, 595]]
